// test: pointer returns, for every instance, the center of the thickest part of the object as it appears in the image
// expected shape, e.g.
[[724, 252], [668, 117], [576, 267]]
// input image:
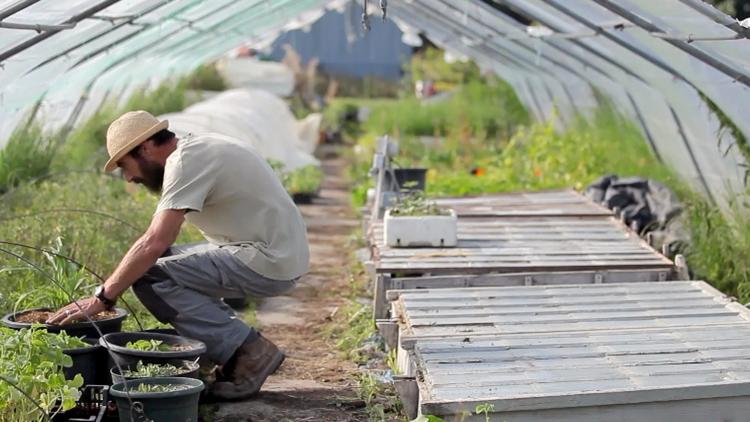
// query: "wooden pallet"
[[635, 351], [543, 245], [385, 284], [567, 203], [514, 245]]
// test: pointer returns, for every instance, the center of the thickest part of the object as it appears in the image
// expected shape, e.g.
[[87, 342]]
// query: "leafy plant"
[[158, 388], [486, 409], [74, 280], [304, 180], [33, 361], [155, 370], [149, 345], [65, 341], [415, 204], [205, 77]]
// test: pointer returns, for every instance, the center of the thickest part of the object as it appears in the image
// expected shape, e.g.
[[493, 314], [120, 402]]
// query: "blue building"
[[344, 48]]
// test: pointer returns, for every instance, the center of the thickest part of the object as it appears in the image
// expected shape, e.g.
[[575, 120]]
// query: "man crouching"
[[257, 245]]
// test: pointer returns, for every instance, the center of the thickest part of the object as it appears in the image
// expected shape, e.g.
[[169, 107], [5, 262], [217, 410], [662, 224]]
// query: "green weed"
[[27, 155]]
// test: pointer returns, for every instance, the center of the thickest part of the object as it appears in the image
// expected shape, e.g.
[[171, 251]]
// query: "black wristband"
[[99, 294]]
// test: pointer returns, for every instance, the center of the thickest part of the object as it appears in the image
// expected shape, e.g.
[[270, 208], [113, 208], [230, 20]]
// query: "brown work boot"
[[254, 362]]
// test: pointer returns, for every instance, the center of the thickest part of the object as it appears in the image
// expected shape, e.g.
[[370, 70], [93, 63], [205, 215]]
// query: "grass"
[[351, 327], [27, 155]]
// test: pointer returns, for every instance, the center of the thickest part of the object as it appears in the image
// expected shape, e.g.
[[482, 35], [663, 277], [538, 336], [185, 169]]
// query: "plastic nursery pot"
[[76, 329], [90, 362], [415, 178], [171, 406], [303, 198], [188, 349], [190, 371]]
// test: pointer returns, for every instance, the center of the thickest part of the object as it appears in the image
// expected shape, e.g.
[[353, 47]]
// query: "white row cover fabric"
[[656, 60], [257, 116], [242, 72]]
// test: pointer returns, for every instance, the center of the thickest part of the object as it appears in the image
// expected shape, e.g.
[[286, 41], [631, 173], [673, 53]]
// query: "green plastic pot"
[[173, 406]]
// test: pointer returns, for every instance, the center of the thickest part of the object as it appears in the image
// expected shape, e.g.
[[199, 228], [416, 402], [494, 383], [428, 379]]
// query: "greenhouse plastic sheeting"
[[657, 61], [256, 116]]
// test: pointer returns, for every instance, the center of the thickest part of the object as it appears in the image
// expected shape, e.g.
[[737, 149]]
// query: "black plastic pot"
[[90, 362], [303, 198], [191, 373], [170, 331], [404, 176], [76, 329], [173, 406], [120, 354]]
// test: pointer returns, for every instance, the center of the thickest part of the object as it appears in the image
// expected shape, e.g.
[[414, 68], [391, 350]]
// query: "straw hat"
[[129, 131]]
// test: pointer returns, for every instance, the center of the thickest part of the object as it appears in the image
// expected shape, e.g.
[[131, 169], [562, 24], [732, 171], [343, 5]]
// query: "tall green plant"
[[31, 368], [27, 155]]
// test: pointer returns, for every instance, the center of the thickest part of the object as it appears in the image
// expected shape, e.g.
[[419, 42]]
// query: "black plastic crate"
[[91, 407]]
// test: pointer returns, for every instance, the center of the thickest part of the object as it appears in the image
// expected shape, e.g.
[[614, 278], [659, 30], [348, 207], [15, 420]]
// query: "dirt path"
[[314, 383]]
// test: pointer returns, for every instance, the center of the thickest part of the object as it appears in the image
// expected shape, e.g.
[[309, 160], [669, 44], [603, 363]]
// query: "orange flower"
[[537, 172]]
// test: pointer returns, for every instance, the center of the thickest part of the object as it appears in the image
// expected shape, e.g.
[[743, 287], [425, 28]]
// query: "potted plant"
[[107, 321], [36, 306], [406, 179], [87, 357], [162, 399], [415, 222], [32, 383], [175, 368], [304, 183], [129, 348]]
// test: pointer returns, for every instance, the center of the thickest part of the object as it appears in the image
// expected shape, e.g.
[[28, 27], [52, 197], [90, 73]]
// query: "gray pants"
[[185, 286]]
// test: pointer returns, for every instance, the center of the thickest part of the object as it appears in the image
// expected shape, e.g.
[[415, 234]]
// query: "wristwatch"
[[99, 294]]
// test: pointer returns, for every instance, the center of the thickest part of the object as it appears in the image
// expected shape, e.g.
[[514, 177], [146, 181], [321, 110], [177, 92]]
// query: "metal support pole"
[[36, 27], [717, 16], [114, 27], [704, 56], [17, 8], [5, 55]]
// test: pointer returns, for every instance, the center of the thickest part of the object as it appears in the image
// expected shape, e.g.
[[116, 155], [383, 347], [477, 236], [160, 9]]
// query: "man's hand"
[[72, 312]]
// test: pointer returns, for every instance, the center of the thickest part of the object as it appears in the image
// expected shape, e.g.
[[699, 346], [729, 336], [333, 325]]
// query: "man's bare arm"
[[161, 234]]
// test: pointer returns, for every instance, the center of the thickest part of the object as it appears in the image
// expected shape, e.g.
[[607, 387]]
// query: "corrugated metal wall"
[[343, 48]]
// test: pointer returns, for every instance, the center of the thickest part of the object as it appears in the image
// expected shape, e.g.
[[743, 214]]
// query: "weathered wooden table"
[[599, 352], [541, 245]]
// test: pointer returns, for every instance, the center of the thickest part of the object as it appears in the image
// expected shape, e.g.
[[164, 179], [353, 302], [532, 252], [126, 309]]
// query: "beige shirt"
[[237, 199]]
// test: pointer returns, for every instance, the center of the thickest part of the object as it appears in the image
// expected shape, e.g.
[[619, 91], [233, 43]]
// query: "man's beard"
[[153, 175]]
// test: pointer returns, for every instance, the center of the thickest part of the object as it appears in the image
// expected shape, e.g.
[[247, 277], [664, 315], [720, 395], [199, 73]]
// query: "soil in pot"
[[107, 322], [163, 399], [41, 317]]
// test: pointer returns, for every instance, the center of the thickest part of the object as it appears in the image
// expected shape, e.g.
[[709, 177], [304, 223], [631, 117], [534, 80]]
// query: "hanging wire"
[[80, 265], [41, 270], [365, 18]]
